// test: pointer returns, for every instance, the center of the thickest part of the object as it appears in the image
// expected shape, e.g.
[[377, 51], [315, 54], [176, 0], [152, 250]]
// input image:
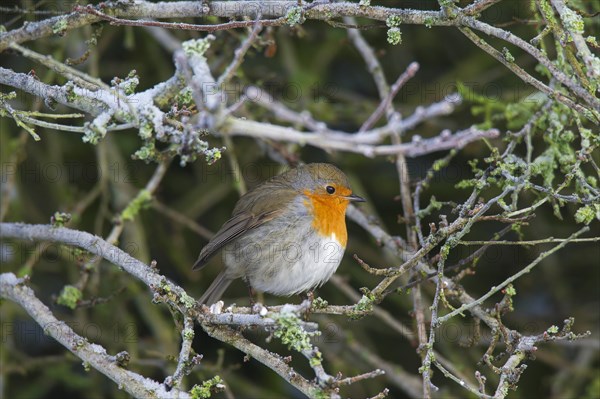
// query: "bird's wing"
[[232, 229]]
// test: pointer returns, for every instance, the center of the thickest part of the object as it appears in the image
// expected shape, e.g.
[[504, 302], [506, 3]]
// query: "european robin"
[[286, 236]]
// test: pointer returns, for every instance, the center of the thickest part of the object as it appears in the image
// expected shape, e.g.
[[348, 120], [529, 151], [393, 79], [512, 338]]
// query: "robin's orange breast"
[[328, 214]]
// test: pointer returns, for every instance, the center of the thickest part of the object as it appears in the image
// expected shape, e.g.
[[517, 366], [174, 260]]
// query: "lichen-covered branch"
[[93, 355]]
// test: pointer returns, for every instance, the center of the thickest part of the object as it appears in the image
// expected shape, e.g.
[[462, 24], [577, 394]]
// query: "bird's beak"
[[355, 198]]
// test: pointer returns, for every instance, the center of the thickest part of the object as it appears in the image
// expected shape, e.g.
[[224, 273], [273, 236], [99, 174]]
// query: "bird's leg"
[[251, 293], [310, 297]]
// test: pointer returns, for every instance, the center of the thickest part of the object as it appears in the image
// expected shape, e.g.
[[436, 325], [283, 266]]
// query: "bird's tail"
[[216, 289]]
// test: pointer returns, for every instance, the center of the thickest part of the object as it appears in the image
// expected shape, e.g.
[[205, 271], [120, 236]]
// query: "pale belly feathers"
[[284, 264]]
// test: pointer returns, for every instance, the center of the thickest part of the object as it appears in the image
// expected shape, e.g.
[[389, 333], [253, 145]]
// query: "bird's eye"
[[330, 189]]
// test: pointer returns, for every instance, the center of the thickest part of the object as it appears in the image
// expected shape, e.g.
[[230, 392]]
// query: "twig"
[[568, 198], [177, 25], [512, 278], [445, 141], [371, 270], [360, 377], [479, 6], [280, 111], [549, 240], [379, 312], [80, 78], [411, 70], [370, 58], [182, 219], [460, 382], [239, 55], [183, 368]]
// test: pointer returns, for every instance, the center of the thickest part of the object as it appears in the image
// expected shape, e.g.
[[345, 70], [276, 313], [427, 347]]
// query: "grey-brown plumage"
[[281, 195]]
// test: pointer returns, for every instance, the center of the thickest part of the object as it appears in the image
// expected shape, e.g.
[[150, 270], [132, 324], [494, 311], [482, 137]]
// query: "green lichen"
[[510, 290], [434, 205], [507, 55], [185, 98], [393, 21], [188, 334], [197, 46], [319, 393], [145, 130], [319, 303], [445, 251], [544, 166], [213, 155], [69, 296], [205, 390], [164, 286], [429, 22], [187, 301], [552, 329], [141, 201], [440, 164], [394, 36], [59, 219], [60, 27], [70, 91], [316, 359], [587, 213], [364, 3], [572, 21], [365, 305], [447, 3], [8, 96], [127, 85], [289, 330], [147, 152], [294, 16], [93, 132]]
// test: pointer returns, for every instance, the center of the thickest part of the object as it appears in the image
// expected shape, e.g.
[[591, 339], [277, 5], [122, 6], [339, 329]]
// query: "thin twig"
[[239, 55], [512, 278], [550, 240], [178, 25], [411, 70]]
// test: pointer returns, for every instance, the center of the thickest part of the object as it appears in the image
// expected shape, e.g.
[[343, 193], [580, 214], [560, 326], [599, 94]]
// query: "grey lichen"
[[573, 21]]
